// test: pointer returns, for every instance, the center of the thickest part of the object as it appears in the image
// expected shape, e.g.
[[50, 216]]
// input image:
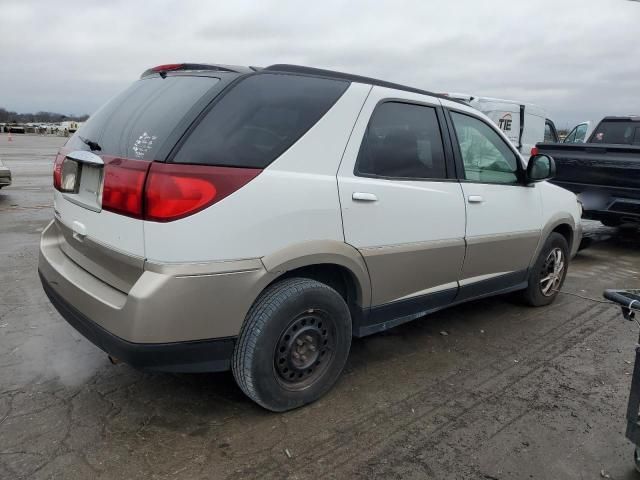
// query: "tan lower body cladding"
[[400, 272], [403, 271]]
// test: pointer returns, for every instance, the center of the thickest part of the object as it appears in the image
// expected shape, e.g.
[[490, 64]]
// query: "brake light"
[[57, 171], [175, 191], [123, 186], [534, 151], [168, 67]]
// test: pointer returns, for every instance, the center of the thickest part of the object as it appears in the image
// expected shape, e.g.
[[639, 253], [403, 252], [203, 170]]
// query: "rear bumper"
[[623, 209], [604, 204], [174, 317], [196, 356], [5, 177]]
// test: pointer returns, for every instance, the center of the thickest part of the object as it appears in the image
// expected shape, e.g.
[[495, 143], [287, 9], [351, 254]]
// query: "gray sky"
[[579, 59]]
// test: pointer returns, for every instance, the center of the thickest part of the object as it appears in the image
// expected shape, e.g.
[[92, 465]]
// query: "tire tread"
[[256, 321]]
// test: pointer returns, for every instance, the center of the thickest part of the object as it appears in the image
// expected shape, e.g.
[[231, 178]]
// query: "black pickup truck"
[[604, 172]]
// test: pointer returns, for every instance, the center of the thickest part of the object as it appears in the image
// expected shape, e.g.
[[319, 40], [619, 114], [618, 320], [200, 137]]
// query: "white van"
[[525, 124]]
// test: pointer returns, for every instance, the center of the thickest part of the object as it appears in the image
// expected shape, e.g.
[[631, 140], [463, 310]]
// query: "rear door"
[[401, 207], [102, 168], [503, 215]]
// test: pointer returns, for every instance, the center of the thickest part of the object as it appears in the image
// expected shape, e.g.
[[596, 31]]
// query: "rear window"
[[135, 123], [617, 132], [258, 119]]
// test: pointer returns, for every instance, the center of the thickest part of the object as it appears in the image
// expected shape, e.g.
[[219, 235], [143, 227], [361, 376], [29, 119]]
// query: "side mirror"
[[541, 167]]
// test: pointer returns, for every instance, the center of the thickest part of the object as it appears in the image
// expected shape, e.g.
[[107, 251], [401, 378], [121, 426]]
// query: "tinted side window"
[[402, 141], [136, 122], [486, 157], [258, 119]]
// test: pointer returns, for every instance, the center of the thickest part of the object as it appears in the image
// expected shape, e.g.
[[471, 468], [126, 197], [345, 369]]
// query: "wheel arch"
[[332, 262], [563, 224]]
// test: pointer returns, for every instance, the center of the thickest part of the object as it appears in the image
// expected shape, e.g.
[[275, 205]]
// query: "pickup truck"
[[604, 172]]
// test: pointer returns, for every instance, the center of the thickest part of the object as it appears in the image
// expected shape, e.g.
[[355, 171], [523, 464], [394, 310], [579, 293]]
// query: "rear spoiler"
[[173, 67]]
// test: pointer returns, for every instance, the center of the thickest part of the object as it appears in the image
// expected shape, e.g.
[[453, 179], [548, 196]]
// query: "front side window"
[[571, 138], [402, 141], [486, 157], [581, 133]]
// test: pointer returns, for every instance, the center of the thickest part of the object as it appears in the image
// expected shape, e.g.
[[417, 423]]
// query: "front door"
[[503, 214]]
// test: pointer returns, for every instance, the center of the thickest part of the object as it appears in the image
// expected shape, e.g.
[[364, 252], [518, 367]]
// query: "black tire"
[[273, 361], [535, 294]]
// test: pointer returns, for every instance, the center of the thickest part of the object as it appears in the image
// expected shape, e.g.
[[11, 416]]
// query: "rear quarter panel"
[[294, 200]]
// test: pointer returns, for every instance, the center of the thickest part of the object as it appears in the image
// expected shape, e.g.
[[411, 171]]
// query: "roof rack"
[[286, 68]]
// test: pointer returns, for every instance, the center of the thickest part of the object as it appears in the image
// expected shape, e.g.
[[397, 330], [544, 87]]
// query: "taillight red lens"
[[57, 171], [534, 151], [168, 67], [175, 191], [123, 186]]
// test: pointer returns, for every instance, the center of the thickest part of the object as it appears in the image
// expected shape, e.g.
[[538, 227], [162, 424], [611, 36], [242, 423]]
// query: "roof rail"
[[286, 68]]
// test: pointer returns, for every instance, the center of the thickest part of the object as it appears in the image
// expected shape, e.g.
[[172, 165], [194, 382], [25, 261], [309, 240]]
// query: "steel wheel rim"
[[305, 349], [552, 272]]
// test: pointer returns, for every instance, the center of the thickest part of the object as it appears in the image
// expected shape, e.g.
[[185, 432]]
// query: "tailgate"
[[99, 175], [107, 245], [611, 166]]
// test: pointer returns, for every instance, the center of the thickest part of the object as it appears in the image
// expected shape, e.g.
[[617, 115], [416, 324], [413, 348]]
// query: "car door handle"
[[364, 197], [475, 199]]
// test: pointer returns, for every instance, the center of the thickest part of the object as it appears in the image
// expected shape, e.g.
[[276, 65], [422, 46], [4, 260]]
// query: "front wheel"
[[293, 345], [549, 271]]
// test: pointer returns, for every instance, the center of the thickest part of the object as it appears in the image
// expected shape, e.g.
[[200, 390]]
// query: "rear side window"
[[402, 141], [136, 122], [617, 132], [258, 119]]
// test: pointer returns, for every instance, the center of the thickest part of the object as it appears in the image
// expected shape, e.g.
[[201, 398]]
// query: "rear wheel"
[[549, 271], [293, 345]]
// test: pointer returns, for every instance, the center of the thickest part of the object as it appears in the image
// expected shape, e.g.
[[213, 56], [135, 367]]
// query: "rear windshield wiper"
[[92, 145]]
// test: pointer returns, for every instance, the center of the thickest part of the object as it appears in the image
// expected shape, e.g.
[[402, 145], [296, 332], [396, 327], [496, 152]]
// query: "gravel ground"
[[510, 392]]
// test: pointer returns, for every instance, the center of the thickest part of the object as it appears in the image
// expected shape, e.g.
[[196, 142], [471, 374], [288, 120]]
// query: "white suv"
[[214, 217]]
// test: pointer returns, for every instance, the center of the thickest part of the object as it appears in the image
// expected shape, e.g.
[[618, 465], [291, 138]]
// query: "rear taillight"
[[162, 192], [534, 151], [168, 67], [123, 186], [175, 191], [57, 171]]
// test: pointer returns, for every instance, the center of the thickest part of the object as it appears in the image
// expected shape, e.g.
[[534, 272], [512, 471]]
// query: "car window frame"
[[447, 147], [552, 127], [461, 174], [574, 132]]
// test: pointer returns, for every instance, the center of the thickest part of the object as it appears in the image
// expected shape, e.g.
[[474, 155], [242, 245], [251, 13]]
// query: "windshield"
[[135, 123]]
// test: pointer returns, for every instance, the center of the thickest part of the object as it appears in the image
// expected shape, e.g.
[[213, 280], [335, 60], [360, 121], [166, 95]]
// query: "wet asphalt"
[[488, 390]]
